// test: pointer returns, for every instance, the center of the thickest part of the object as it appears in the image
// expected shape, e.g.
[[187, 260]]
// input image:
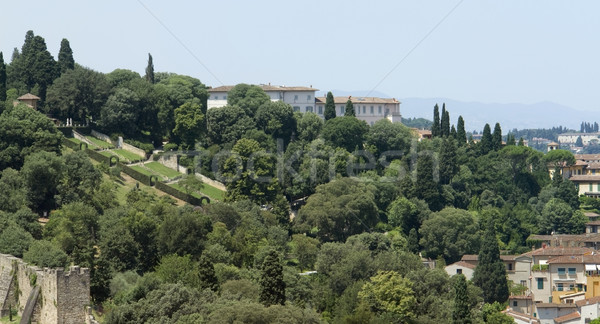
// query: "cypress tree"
[[272, 286], [329, 107], [206, 272], [490, 273], [521, 142], [412, 242], [349, 109], [150, 70], [426, 187], [579, 142], [497, 138], [461, 134], [65, 57], [2, 79], [435, 127], [486, 140], [461, 313], [448, 166], [445, 123], [510, 140], [453, 132]]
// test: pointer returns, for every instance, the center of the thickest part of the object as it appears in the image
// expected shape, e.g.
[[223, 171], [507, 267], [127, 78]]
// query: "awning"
[[564, 280], [590, 267]]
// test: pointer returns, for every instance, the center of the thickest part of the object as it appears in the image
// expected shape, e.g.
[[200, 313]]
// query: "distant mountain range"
[[477, 114]]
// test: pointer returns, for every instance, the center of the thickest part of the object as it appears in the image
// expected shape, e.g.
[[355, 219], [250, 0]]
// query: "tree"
[[386, 136], [247, 97], [486, 145], [150, 70], [189, 124], [521, 142], [389, 292], [272, 286], [79, 93], [15, 240], [427, 188], [338, 209], [329, 107], [183, 232], [448, 160], [206, 272], [306, 249], [461, 135], [65, 57], [445, 122], [276, 119], [404, 214], [450, 233], [39, 67], [44, 254], [435, 128], [2, 79], [227, 124], [309, 126], [345, 132], [42, 173], [490, 273], [579, 142], [461, 312], [81, 179], [120, 113], [349, 108], [497, 138]]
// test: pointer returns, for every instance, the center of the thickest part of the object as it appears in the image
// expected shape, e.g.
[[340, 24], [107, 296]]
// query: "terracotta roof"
[[265, 87], [557, 251], [591, 214], [576, 259], [568, 317], [553, 305], [593, 165], [520, 297], [585, 178], [523, 317], [28, 96], [463, 264], [588, 157], [553, 144], [475, 257], [590, 237], [596, 222], [358, 100], [589, 301]]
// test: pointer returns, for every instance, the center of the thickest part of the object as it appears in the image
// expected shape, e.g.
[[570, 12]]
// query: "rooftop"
[[558, 251], [358, 100], [463, 264], [566, 318], [576, 259], [523, 317], [28, 96], [589, 301], [589, 237], [475, 257], [585, 178], [265, 87]]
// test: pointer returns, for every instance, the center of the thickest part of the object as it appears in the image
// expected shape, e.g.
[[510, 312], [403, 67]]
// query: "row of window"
[[307, 97], [217, 97], [563, 271]]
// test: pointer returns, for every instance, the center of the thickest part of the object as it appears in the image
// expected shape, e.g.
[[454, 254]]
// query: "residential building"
[[521, 318], [571, 138], [461, 267], [369, 109], [302, 99], [585, 173], [28, 99]]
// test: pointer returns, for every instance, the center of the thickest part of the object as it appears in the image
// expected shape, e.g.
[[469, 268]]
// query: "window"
[[342, 109], [515, 304], [561, 271], [559, 286], [216, 98], [458, 271], [591, 187], [295, 97], [224, 97], [572, 287], [372, 110], [296, 108], [510, 266], [308, 98], [580, 287], [309, 109], [379, 110], [320, 110], [524, 283], [364, 109], [540, 282], [571, 271]]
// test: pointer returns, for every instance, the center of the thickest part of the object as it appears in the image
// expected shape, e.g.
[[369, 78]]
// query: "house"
[[580, 312], [518, 267], [422, 133], [571, 138], [461, 267], [28, 99], [521, 318], [588, 240], [552, 146], [522, 304], [302, 99], [369, 109]]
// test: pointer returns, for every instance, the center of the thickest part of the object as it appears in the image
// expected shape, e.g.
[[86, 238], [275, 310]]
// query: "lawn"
[[162, 170], [107, 153], [207, 190], [78, 142], [145, 171], [132, 157], [100, 143]]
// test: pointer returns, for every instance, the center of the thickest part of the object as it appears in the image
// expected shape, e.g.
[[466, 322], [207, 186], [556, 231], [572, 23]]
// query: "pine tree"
[[490, 273], [445, 123], [65, 57], [2, 79], [461, 313], [329, 107], [272, 286], [206, 273], [150, 70], [461, 134], [349, 109], [435, 128], [486, 140], [497, 138]]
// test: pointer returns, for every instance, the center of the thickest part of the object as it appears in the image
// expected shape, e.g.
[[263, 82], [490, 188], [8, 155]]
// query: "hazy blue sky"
[[488, 51]]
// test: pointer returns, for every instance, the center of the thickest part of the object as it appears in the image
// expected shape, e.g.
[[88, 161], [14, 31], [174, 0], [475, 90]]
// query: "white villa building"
[[302, 99]]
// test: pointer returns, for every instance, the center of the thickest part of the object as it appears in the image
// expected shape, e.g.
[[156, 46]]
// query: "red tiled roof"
[[475, 257], [552, 305], [28, 96], [518, 315], [357, 100], [568, 317], [265, 87], [589, 301], [575, 259], [557, 251], [463, 264], [590, 237], [521, 297]]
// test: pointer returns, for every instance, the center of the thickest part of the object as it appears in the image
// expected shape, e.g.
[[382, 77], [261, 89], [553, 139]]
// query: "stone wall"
[[101, 136], [170, 161], [63, 294], [81, 138], [131, 148]]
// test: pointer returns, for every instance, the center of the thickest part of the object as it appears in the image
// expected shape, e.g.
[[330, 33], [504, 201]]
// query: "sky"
[[509, 51]]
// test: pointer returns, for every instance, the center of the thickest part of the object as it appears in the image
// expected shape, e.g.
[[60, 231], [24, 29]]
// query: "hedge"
[[72, 145], [98, 157], [181, 195], [135, 174]]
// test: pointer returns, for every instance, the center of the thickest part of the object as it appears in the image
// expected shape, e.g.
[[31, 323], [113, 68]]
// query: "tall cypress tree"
[[206, 272], [490, 273], [272, 286], [349, 109], [453, 132], [461, 134], [521, 142], [329, 107], [435, 127], [65, 57], [426, 187], [150, 70], [461, 312], [510, 140], [486, 140], [445, 123], [497, 138], [448, 166], [2, 78]]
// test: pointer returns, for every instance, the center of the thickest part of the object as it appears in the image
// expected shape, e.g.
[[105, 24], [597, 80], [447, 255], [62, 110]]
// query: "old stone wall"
[[131, 148], [101, 136]]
